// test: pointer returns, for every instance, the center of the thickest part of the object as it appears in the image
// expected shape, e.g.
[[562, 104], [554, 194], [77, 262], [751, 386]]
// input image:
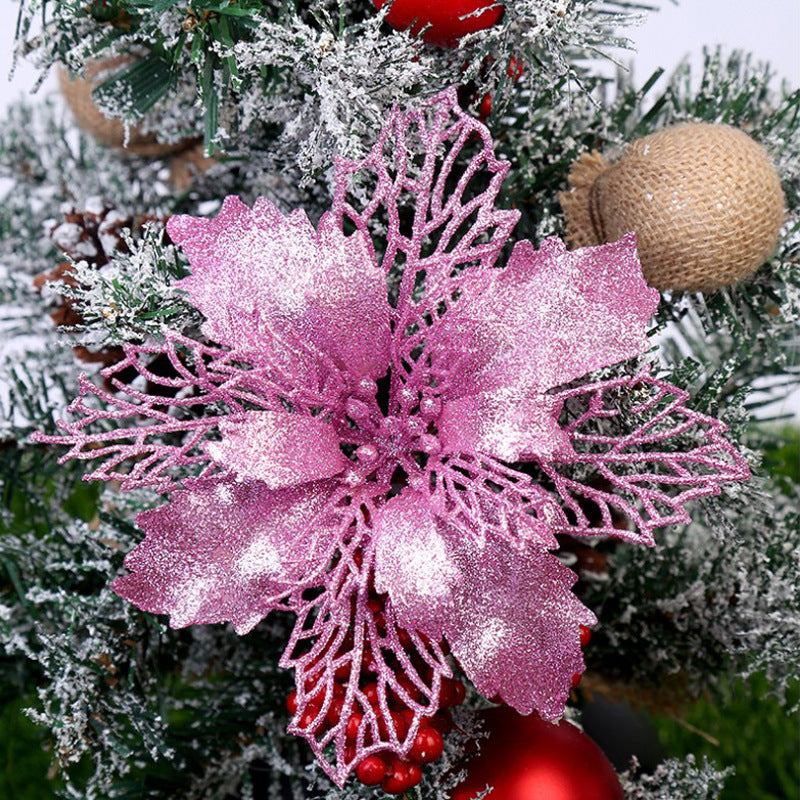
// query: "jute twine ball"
[[111, 132], [704, 200]]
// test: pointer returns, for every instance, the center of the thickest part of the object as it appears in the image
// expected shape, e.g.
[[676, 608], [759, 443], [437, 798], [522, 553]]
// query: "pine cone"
[[91, 235]]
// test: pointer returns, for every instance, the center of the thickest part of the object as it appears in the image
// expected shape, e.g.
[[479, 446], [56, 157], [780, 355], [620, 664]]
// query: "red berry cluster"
[[394, 774], [397, 775]]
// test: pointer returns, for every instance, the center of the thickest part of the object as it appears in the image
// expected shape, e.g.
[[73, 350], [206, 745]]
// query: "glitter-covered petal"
[[516, 626], [277, 291], [577, 311], [551, 316], [278, 448], [507, 610], [504, 425], [228, 551], [413, 564]]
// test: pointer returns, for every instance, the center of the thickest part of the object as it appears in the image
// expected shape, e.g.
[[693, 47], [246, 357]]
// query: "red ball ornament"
[[526, 758], [447, 19]]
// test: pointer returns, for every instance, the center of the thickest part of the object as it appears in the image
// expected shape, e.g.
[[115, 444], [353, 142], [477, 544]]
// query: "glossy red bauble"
[[447, 19], [526, 758]]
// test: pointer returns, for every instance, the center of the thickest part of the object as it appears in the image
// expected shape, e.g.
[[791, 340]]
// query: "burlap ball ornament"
[[704, 199], [77, 93]]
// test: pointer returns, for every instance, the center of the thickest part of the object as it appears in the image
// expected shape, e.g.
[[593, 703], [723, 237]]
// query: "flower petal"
[[551, 316], [413, 564], [640, 469], [507, 612], [224, 550], [573, 312], [341, 641], [279, 448], [516, 627], [509, 428], [270, 285]]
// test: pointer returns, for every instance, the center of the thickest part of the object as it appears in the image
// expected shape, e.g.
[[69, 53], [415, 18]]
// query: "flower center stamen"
[[407, 437]]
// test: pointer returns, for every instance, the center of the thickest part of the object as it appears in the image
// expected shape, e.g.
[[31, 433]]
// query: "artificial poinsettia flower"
[[386, 412]]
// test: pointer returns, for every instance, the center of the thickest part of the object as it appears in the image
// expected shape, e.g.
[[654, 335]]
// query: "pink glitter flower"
[[381, 412]]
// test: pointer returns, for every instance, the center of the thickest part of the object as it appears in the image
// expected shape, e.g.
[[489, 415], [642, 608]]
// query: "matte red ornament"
[[447, 19], [526, 758]]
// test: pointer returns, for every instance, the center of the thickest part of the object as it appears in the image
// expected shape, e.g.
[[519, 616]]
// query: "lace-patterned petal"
[[426, 211], [485, 499], [338, 637], [155, 431], [644, 474]]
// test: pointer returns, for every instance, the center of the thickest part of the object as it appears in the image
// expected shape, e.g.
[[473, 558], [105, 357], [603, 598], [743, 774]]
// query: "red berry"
[[428, 745], [442, 721], [371, 771], [371, 693], [515, 68], [445, 694], [409, 687], [414, 775], [408, 716], [334, 714], [586, 635], [451, 693], [401, 777], [353, 724], [309, 716], [291, 703], [576, 679], [485, 108], [376, 607], [342, 672], [368, 661], [398, 723]]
